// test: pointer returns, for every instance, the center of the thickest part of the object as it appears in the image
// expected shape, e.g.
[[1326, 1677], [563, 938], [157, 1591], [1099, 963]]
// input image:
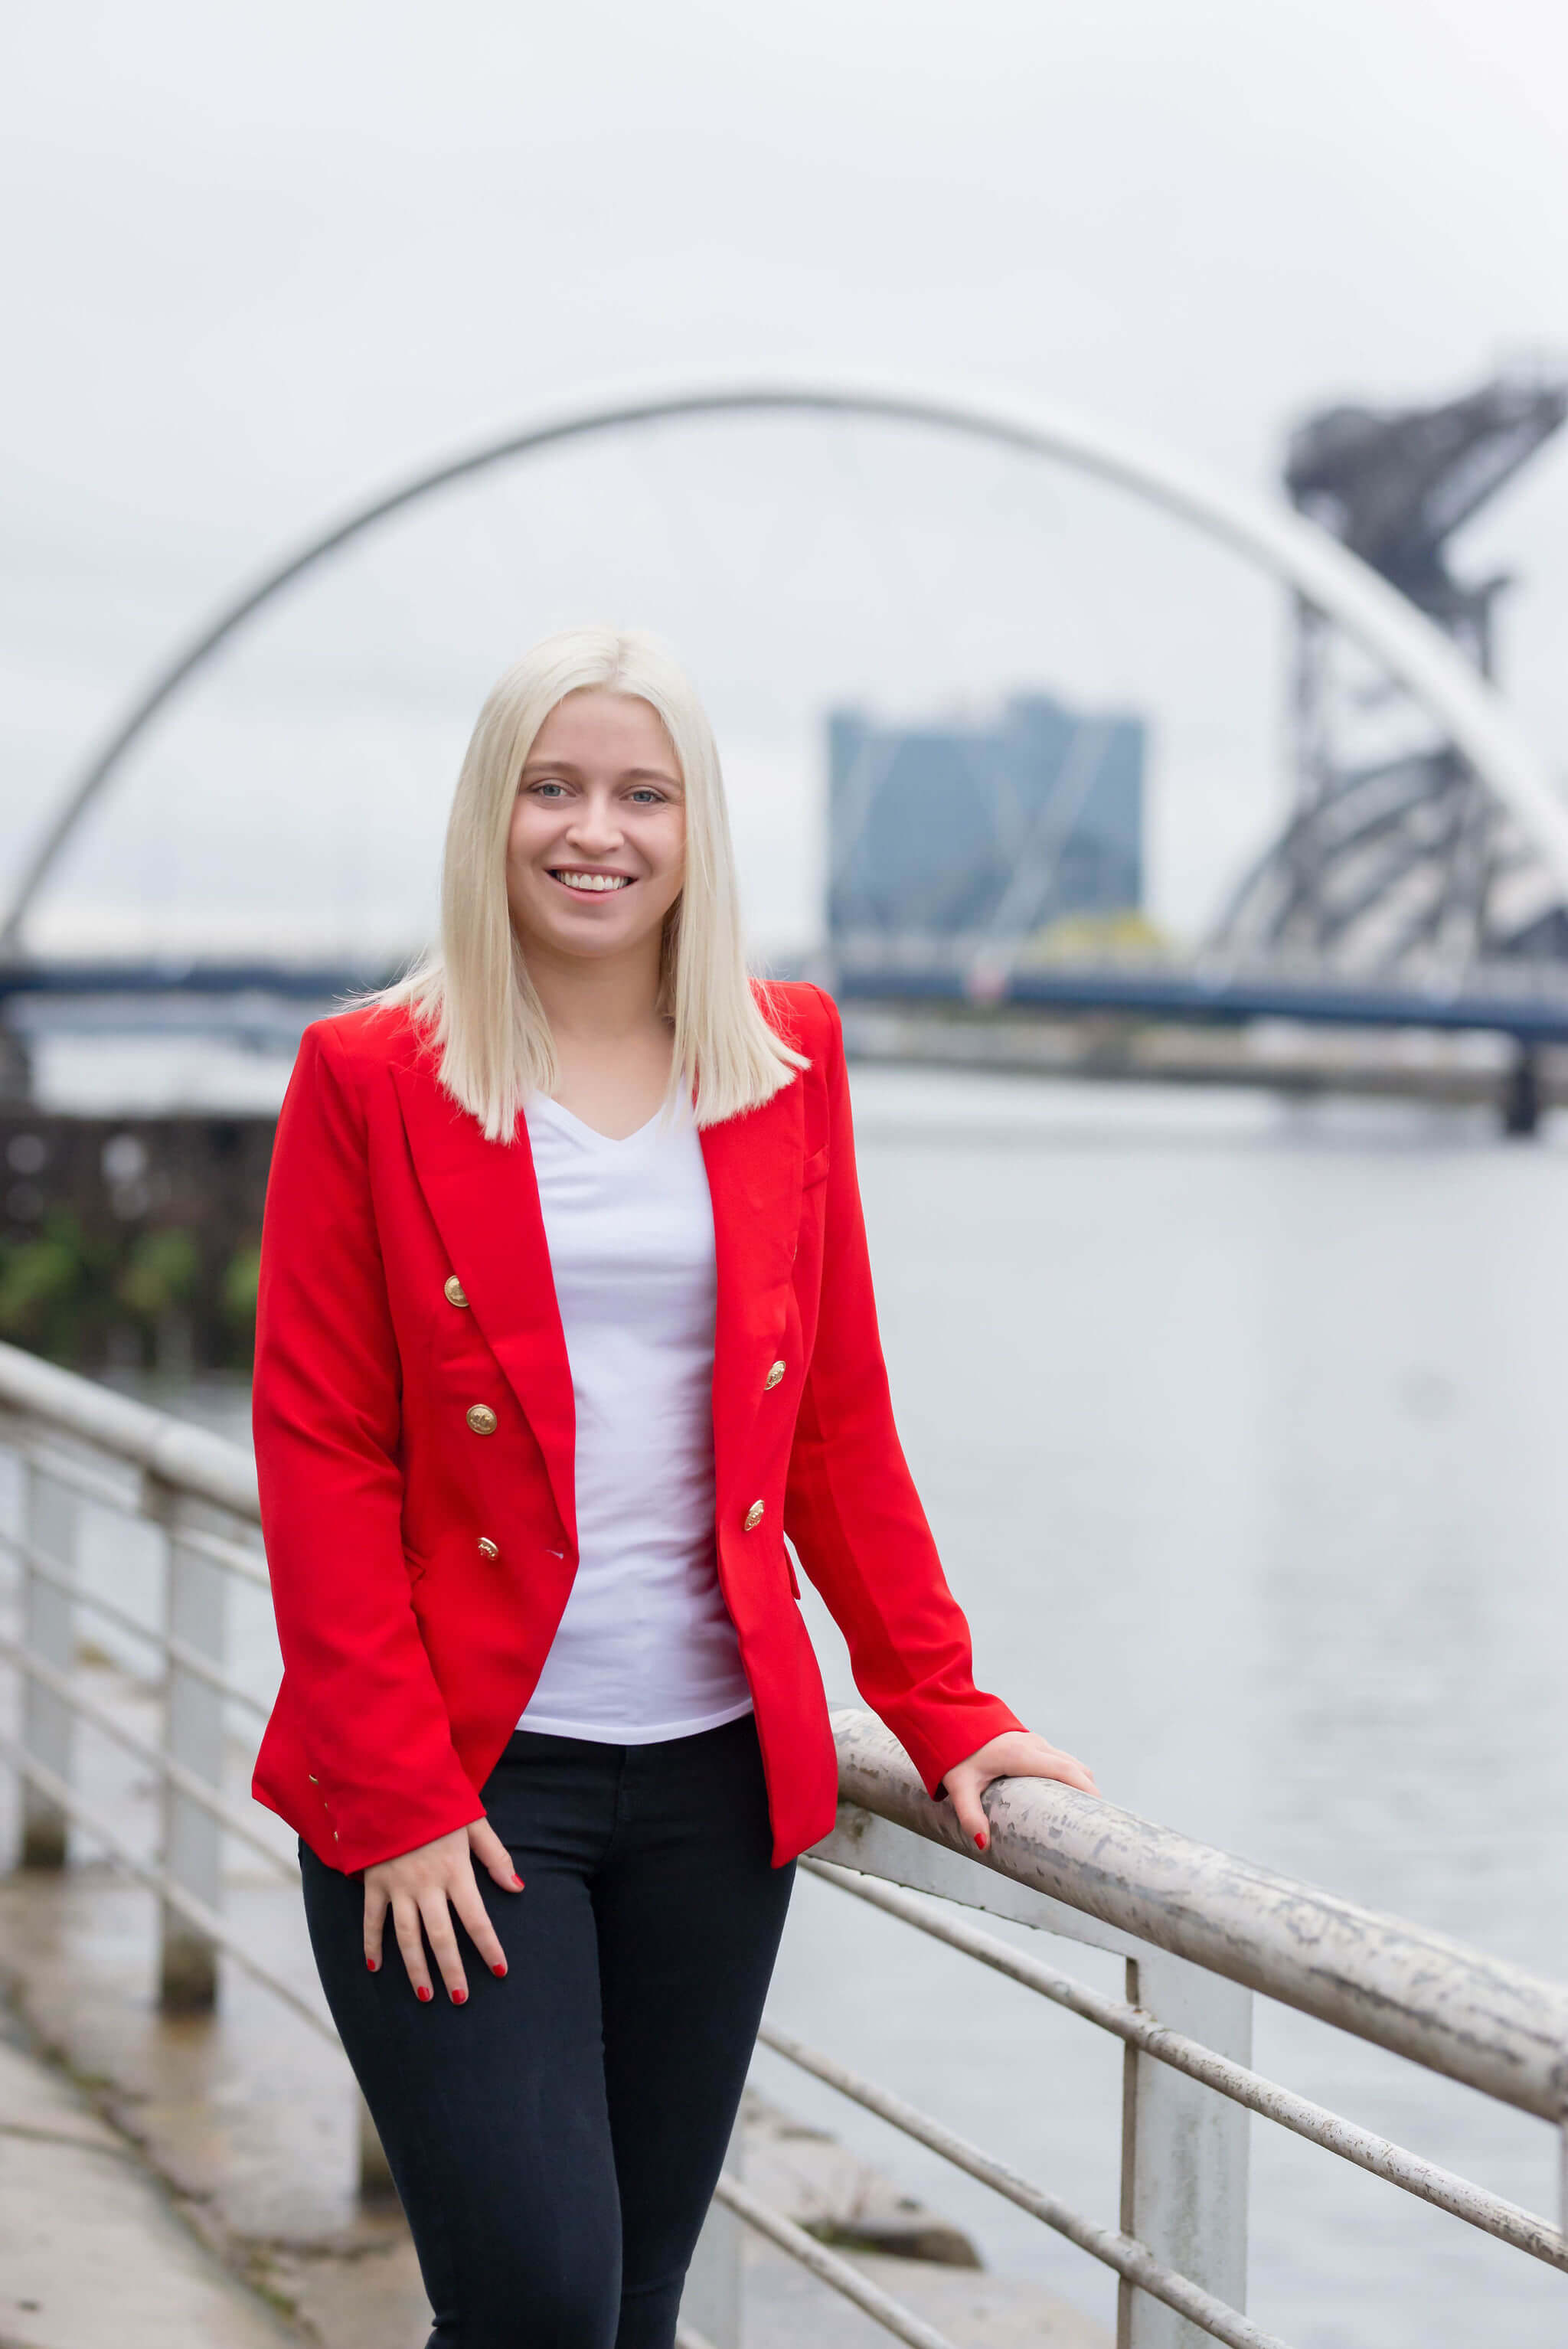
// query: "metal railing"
[[76, 1446], [1199, 1932]]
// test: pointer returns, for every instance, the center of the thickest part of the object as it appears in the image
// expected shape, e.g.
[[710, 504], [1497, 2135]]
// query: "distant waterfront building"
[[994, 831]]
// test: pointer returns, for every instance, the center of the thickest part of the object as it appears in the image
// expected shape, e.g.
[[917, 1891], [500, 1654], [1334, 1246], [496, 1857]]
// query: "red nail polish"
[[980, 1843], [497, 1970], [371, 1966], [459, 1998], [425, 1992], [517, 1883]]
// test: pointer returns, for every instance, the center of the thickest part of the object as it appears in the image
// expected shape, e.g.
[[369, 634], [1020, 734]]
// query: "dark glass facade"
[[976, 829]]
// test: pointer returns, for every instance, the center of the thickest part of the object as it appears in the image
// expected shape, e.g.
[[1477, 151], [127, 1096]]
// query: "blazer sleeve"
[[851, 1507], [327, 1416]]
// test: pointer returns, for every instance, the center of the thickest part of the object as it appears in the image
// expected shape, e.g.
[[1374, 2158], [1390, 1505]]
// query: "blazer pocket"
[[814, 1167]]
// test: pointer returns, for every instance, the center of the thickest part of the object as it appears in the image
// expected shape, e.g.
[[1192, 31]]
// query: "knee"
[[518, 2294]]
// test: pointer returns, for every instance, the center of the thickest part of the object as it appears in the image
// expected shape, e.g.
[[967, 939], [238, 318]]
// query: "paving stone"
[[92, 2253]]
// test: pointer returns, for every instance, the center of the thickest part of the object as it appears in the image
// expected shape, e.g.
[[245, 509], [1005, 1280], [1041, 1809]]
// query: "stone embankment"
[[93, 2249]]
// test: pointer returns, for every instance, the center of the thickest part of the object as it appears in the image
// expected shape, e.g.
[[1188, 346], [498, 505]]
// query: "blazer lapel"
[[484, 1196], [753, 1166]]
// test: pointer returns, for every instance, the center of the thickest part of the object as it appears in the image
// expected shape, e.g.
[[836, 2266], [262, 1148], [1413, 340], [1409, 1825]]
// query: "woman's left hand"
[[1016, 1754]]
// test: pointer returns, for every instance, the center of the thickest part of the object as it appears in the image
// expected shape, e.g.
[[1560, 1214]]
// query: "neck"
[[599, 998]]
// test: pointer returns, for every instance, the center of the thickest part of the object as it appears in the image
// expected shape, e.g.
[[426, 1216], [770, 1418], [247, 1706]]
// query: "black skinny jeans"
[[555, 2141]]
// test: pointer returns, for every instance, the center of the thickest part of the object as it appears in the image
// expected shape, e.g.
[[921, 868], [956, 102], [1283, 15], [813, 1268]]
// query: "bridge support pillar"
[[1521, 1092], [16, 1064]]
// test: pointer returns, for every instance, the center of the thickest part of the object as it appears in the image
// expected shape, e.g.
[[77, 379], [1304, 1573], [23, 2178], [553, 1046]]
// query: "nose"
[[595, 828]]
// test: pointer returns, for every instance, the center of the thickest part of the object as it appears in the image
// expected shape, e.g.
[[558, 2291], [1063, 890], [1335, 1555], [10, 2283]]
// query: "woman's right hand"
[[424, 1888]]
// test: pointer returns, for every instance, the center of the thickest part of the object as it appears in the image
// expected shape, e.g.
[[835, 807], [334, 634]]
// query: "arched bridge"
[[1323, 574]]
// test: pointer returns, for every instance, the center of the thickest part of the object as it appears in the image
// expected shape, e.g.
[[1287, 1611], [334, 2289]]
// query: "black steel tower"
[[1393, 858]]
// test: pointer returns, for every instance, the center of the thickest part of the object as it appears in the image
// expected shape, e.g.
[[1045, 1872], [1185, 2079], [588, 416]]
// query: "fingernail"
[[459, 1998], [497, 1970], [425, 1993], [980, 1843], [371, 1966], [517, 1883]]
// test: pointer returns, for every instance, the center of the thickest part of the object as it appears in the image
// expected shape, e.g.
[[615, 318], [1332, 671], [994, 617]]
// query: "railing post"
[[195, 1594], [710, 2304], [48, 1632], [1183, 2151]]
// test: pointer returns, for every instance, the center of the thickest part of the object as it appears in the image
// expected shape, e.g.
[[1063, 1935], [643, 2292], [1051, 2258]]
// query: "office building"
[[983, 830]]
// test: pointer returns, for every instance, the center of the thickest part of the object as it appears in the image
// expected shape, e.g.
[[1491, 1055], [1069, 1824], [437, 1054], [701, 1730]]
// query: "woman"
[[565, 1322]]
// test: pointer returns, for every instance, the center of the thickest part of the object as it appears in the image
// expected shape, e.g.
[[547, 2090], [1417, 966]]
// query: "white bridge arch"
[[1280, 542]]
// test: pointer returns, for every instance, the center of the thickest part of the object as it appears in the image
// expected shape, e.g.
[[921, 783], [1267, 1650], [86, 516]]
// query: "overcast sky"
[[260, 261]]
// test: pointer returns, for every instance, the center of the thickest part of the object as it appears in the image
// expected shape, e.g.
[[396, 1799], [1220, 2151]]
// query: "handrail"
[[1476, 2018], [205, 1919], [1378, 2155], [176, 1651], [828, 2267], [1193, 1921], [154, 1441], [1128, 2258], [241, 1824]]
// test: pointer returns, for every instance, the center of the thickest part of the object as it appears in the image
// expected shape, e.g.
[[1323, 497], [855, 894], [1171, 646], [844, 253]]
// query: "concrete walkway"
[[92, 2250]]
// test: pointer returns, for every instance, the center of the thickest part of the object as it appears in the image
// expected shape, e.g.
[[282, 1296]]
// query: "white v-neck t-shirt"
[[645, 1649]]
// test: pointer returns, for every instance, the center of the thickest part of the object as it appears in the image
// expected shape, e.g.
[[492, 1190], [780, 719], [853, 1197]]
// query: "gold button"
[[452, 1289], [481, 1419], [335, 1837], [774, 1375], [488, 1548], [754, 1516], [311, 1777]]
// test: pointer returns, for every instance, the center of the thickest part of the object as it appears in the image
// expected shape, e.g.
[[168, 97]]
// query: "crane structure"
[[1397, 862]]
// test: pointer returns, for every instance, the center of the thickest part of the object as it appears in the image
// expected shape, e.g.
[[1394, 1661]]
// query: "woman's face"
[[596, 853]]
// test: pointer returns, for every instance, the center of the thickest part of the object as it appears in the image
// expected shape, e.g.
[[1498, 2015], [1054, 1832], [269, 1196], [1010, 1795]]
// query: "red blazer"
[[415, 1439]]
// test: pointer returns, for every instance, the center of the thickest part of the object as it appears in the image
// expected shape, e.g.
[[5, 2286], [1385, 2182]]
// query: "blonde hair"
[[473, 992]]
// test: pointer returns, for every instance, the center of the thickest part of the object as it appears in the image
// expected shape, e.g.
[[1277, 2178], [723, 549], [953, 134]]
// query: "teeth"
[[594, 879]]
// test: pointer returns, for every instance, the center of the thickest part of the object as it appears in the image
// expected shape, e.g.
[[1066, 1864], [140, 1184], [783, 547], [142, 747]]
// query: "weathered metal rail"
[[1452, 2009], [1377, 2155], [1201, 1933]]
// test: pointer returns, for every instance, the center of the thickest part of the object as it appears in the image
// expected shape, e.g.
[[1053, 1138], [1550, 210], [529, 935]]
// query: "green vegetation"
[[83, 1301], [237, 1291], [159, 1273], [49, 1286]]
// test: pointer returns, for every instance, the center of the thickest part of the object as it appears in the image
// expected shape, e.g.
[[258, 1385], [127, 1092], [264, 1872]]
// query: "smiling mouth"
[[590, 884]]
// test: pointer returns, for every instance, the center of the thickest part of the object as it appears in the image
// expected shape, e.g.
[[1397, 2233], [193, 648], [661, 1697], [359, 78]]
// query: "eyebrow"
[[626, 775]]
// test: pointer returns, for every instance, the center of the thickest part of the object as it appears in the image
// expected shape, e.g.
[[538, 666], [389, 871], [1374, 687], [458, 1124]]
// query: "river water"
[[1241, 1428]]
